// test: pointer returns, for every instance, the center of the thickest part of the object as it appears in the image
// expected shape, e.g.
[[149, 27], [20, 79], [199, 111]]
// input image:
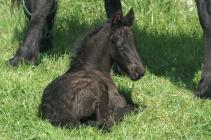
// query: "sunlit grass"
[[169, 43]]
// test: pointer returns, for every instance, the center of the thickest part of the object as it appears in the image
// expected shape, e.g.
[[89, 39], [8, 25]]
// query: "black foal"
[[86, 92]]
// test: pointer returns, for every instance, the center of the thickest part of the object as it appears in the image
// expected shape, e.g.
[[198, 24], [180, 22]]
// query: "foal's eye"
[[119, 45], [116, 42]]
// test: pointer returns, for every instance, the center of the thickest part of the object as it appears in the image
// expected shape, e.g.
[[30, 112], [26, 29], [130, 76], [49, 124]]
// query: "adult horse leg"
[[46, 41], [112, 6], [29, 50], [204, 13]]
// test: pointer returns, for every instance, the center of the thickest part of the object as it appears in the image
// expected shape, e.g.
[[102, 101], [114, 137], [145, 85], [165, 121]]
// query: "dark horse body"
[[86, 92], [40, 10]]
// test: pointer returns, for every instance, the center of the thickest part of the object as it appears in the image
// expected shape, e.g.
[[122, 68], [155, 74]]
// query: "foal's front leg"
[[29, 50], [118, 104], [103, 114], [204, 12]]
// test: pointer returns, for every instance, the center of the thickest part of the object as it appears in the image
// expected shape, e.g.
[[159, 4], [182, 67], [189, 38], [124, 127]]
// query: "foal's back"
[[75, 97]]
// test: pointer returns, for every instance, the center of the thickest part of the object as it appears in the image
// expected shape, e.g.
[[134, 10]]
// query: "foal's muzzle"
[[136, 72]]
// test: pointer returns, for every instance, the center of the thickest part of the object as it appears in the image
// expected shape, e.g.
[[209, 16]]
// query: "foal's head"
[[123, 47]]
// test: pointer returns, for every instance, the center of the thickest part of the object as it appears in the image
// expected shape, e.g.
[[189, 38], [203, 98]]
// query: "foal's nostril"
[[138, 71]]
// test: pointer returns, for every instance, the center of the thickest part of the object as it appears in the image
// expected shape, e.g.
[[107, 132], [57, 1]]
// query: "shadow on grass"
[[64, 38], [127, 93], [179, 58]]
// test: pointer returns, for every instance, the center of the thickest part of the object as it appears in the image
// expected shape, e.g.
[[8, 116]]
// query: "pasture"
[[169, 40]]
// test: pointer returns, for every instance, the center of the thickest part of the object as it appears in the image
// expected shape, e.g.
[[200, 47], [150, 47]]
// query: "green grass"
[[170, 45]]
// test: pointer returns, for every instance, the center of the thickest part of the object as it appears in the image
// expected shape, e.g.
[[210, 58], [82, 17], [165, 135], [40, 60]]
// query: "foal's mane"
[[81, 44]]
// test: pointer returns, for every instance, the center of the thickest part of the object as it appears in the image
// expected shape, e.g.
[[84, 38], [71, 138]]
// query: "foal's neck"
[[96, 52]]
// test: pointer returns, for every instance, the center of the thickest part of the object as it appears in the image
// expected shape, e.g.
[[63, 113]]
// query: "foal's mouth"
[[135, 73]]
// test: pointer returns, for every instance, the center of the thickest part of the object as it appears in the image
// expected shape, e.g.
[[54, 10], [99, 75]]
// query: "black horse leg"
[[204, 12], [46, 41], [29, 50], [112, 6]]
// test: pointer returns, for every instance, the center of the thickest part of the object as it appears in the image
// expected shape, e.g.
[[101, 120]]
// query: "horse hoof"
[[203, 90], [16, 61], [13, 62]]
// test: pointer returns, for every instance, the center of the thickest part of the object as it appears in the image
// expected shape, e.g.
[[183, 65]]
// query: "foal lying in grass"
[[86, 93]]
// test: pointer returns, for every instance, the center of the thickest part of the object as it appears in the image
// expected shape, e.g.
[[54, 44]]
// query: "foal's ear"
[[129, 18], [117, 19]]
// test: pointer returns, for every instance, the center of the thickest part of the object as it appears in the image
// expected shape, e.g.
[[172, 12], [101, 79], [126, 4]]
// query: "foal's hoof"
[[203, 90], [15, 61]]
